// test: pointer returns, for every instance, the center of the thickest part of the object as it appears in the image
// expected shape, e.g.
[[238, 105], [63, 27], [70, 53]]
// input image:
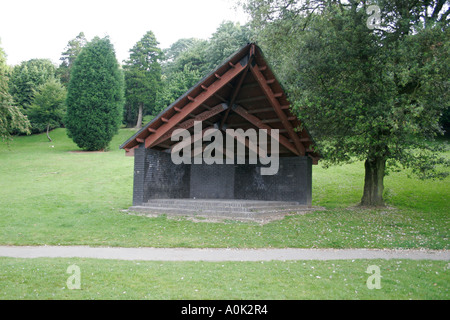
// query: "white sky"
[[42, 28]]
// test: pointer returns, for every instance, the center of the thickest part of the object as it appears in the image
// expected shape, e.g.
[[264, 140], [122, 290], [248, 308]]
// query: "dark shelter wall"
[[291, 183], [212, 181], [157, 177]]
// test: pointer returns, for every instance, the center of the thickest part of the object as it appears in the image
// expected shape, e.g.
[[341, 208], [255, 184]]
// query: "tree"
[[366, 91], [11, 119], [188, 60], [95, 96], [69, 56], [48, 108], [190, 55], [202, 56], [445, 122], [174, 85], [26, 78], [178, 47], [184, 65], [228, 38], [142, 78]]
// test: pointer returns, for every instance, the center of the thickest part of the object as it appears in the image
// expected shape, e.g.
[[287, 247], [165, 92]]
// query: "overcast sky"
[[42, 28]]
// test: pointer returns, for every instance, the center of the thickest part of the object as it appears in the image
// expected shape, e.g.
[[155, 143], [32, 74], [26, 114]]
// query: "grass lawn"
[[274, 280], [54, 196]]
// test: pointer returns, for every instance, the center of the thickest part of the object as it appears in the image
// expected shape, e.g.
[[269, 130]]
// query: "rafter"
[[190, 122], [251, 99], [256, 71], [260, 110], [258, 123], [192, 105]]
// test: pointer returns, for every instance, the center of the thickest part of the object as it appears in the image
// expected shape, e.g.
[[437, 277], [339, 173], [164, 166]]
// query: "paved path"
[[185, 254]]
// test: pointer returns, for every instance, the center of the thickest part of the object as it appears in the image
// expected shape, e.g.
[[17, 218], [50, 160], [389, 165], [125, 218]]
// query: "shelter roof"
[[241, 93]]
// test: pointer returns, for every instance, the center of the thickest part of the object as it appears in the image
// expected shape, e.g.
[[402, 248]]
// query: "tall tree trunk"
[[48, 130], [130, 119], [373, 181], [139, 120]]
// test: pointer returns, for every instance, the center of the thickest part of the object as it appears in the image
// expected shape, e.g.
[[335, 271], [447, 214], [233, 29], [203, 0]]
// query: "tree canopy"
[[48, 108], [153, 78], [26, 78], [188, 60], [11, 119], [369, 85], [95, 96], [68, 57], [142, 79]]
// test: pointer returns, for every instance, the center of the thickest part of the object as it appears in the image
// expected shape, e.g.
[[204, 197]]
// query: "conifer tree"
[[95, 96], [142, 78]]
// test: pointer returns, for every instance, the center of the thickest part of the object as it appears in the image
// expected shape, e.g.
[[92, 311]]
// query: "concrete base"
[[221, 209]]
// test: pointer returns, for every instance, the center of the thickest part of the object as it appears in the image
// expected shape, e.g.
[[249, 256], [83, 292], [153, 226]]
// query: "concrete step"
[[243, 209], [224, 205], [231, 202], [219, 210], [191, 212], [212, 213], [230, 209]]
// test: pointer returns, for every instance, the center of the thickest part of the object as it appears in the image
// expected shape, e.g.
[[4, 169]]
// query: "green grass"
[[277, 280], [53, 196]]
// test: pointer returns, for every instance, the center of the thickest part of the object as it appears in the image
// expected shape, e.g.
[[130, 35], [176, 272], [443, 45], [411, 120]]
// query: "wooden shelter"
[[241, 93]]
